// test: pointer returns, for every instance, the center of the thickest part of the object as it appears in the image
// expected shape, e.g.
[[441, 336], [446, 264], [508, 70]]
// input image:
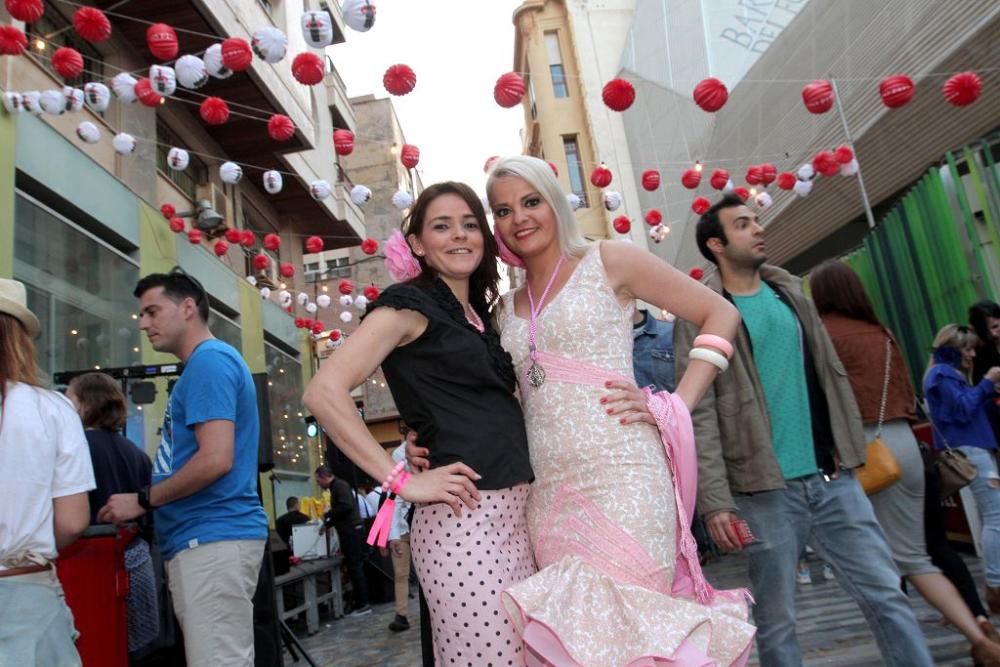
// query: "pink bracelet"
[[393, 474], [401, 481], [717, 342]]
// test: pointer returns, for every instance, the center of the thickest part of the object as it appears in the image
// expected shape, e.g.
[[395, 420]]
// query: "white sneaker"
[[828, 573], [803, 576]]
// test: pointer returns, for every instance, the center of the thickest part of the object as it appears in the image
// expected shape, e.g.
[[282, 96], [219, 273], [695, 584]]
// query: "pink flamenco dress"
[[619, 582]]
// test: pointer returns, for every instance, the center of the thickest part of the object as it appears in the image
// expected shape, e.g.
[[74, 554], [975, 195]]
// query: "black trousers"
[[352, 544]]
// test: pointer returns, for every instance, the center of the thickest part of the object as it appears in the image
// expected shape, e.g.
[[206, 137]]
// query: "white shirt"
[[365, 509], [399, 526], [43, 455]]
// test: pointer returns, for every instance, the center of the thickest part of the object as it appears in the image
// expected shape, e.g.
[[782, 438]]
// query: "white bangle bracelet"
[[711, 356]]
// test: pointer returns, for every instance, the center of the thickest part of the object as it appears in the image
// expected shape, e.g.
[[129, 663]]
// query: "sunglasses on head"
[[202, 295]]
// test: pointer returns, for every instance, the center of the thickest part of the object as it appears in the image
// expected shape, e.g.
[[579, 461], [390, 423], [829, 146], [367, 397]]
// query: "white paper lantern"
[[72, 98], [265, 292], [191, 71], [311, 307], [319, 189], [97, 96], [124, 86], [763, 200], [252, 280], [213, 62], [32, 101], [52, 102], [123, 143], [88, 132], [323, 301], [360, 195], [302, 298], [850, 168], [806, 172], [658, 233], [270, 44], [803, 188], [332, 344], [230, 172], [402, 199], [612, 200], [13, 102], [346, 300], [359, 14], [163, 79], [574, 201], [178, 159], [729, 187], [360, 302], [346, 316], [317, 29], [273, 181], [284, 298]]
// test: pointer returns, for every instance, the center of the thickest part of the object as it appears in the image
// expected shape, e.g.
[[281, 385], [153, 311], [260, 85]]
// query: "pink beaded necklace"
[[535, 373]]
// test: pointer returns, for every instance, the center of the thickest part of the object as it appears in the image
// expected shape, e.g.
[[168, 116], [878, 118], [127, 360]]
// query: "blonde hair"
[[539, 175], [956, 336]]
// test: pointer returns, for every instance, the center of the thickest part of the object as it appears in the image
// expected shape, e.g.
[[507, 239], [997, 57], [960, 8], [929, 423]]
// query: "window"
[[288, 426], [556, 65], [225, 329], [312, 267], [52, 31], [339, 267], [188, 179], [574, 166]]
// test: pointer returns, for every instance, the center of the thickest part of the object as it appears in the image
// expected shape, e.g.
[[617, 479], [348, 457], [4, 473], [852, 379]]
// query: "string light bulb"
[[698, 166]]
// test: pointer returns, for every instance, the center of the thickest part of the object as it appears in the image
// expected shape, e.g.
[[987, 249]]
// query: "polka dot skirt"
[[463, 565]]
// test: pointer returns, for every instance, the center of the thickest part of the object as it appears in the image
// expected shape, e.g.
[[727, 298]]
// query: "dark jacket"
[[343, 512]]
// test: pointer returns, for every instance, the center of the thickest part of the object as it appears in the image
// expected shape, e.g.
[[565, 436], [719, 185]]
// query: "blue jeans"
[[836, 518], [986, 490]]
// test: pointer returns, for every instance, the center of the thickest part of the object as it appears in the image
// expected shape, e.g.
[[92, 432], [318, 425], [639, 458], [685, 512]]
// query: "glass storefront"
[[225, 330], [288, 427]]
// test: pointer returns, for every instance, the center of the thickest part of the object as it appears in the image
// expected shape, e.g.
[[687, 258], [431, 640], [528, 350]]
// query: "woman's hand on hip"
[[451, 484], [627, 402]]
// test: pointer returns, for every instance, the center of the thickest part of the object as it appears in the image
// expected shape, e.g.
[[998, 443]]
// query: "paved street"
[[831, 628]]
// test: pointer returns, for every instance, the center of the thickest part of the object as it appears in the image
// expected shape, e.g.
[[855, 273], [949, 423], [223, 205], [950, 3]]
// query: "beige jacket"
[[731, 424]]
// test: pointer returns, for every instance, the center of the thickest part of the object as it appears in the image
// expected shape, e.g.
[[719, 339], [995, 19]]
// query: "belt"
[[28, 569]]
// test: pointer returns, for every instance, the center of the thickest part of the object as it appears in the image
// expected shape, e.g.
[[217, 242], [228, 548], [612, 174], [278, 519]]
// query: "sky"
[[457, 49]]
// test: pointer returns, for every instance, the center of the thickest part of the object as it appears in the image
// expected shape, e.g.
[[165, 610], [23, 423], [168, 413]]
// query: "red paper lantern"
[[399, 79], [843, 154], [741, 192], [28, 11], [818, 96], [369, 246], [145, 94], [68, 62], [786, 180], [710, 94], [896, 90], [962, 89], [697, 273], [345, 287], [371, 293], [700, 205], [343, 142], [91, 24], [335, 334], [601, 177], [299, 323], [13, 42], [234, 236], [653, 217], [622, 224], [307, 68], [220, 248], [286, 269], [409, 156], [509, 90], [317, 327], [768, 172], [691, 178], [194, 236], [214, 111], [272, 241], [553, 167], [247, 239], [168, 211], [236, 54], [618, 94], [162, 41], [825, 162], [261, 261], [754, 175], [176, 225], [650, 179], [719, 179], [314, 244], [280, 127]]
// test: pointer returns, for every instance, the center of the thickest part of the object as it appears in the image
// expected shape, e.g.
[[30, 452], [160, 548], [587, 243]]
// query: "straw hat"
[[14, 302]]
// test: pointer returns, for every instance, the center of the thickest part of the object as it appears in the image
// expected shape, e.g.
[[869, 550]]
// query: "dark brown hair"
[[836, 288], [484, 283], [18, 362], [102, 403]]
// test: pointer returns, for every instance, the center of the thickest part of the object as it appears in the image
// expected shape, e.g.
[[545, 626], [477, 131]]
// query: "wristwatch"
[[143, 498]]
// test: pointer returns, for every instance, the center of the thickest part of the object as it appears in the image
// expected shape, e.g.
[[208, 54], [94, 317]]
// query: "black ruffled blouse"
[[454, 386]]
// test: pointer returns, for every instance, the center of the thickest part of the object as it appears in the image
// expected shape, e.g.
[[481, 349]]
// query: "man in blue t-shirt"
[[209, 521]]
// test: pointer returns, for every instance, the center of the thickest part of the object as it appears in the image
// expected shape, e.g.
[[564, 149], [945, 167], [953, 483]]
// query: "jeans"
[[986, 490], [36, 626], [837, 520]]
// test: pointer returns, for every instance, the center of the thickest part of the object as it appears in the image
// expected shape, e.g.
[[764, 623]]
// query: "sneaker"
[[809, 550], [803, 576], [399, 624], [361, 611], [828, 573]]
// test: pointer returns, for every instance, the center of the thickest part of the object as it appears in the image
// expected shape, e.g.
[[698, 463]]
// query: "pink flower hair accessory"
[[507, 255], [399, 259]]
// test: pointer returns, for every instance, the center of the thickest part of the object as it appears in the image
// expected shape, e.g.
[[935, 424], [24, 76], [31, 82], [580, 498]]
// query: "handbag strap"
[[885, 386]]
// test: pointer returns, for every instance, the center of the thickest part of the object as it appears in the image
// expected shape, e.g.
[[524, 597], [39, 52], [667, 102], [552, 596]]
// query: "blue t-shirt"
[[215, 384], [777, 352]]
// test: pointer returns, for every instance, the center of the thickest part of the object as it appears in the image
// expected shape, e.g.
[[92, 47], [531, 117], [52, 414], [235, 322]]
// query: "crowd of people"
[[739, 425]]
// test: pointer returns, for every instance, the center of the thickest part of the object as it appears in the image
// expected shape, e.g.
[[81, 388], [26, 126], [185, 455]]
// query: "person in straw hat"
[[45, 474]]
